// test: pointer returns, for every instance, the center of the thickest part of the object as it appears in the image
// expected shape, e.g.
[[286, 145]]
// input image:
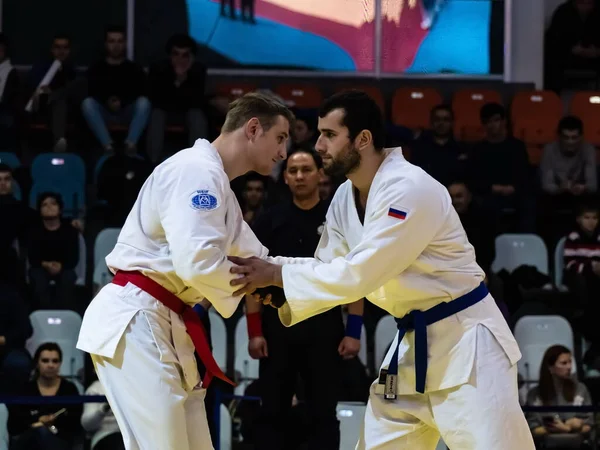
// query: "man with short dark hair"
[[393, 237], [569, 164], [117, 89], [500, 171], [171, 254], [176, 89], [437, 152]]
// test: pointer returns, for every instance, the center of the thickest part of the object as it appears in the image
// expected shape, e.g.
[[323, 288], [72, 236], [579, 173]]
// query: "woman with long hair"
[[557, 387], [45, 426]]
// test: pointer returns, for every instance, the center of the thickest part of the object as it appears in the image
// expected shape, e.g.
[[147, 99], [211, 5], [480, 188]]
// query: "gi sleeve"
[[193, 204], [403, 219]]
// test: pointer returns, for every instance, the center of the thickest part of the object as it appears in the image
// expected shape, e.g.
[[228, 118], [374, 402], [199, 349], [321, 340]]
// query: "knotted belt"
[[418, 321], [191, 320]]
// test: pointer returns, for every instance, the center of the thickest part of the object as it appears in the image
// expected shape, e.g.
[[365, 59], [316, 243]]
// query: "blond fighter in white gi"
[[393, 236], [183, 225]]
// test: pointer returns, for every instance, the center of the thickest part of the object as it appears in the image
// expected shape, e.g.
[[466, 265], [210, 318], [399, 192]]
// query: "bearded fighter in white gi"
[[172, 253], [393, 236]]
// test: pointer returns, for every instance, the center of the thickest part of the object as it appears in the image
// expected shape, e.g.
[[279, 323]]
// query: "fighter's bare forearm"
[[357, 308]]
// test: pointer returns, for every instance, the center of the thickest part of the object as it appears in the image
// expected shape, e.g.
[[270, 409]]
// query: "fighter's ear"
[[364, 139], [253, 128]]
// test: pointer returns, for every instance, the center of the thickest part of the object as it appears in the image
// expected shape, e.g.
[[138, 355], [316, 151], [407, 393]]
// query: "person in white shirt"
[[171, 254], [393, 237], [99, 421]]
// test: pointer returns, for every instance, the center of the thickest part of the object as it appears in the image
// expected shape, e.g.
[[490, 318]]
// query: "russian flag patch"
[[397, 213]]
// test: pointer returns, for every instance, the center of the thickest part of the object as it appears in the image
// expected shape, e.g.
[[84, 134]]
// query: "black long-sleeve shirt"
[[61, 245], [166, 95], [505, 163], [15, 325], [126, 80], [21, 417]]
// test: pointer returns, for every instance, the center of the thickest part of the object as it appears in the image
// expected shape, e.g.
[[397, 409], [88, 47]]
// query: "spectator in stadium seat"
[[176, 91], [326, 187], [100, 422], [15, 329], [41, 427], [16, 219], [53, 253], [477, 222], [57, 95], [568, 167], [119, 182], [558, 387], [253, 196], [582, 259], [437, 152], [9, 97], [499, 169], [572, 40], [304, 129], [116, 89]]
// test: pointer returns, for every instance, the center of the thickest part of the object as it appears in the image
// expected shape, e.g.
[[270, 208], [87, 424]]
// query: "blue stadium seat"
[[73, 196], [535, 334], [104, 244], [16, 189], [80, 268], [514, 250], [10, 159], [559, 264], [58, 168], [62, 327], [225, 428]]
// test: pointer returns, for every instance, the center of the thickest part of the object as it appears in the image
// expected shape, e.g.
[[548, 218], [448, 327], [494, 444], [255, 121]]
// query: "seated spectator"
[[9, 96], [119, 182], [99, 421], [499, 166], [305, 127], [45, 426], [253, 196], [116, 88], [558, 387], [58, 94], [326, 187], [15, 329], [572, 40], [437, 152], [568, 165], [53, 253], [16, 218], [177, 88], [478, 224]]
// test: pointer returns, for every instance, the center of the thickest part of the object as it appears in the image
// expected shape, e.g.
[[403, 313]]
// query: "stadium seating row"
[[534, 114]]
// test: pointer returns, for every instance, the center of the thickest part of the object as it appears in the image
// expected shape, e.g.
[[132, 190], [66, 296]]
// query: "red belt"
[[192, 322]]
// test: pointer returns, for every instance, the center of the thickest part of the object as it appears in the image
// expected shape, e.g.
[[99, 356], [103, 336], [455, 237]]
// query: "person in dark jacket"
[[176, 88], [15, 329], [50, 426], [53, 253]]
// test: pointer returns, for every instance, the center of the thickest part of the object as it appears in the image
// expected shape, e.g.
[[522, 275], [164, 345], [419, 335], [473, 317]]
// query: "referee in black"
[[311, 351]]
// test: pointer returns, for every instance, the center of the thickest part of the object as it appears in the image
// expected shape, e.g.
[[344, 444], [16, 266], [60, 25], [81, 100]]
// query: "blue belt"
[[418, 321]]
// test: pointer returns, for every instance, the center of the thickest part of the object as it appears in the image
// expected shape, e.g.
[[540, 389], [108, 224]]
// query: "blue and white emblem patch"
[[204, 200]]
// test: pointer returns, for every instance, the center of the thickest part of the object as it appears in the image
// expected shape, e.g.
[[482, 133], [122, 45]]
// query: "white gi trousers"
[[145, 389], [482, 414]]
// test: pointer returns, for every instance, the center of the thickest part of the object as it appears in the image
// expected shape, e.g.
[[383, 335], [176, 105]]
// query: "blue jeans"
[[135, 114]]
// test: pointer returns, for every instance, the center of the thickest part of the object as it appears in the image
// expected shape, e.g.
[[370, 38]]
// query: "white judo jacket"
[[411, 253], [183, 225]]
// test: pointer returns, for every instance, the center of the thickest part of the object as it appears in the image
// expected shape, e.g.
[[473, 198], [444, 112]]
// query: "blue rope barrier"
[[65, 399]]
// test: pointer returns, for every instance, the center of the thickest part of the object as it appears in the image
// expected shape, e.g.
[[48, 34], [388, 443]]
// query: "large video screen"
[[417, 36]]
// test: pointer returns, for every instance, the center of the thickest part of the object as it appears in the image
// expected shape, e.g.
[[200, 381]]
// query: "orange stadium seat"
[[300, 95], [586, 106], [412, 106], [535, 116], [372, 91], [466, 105], [234, 90]]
